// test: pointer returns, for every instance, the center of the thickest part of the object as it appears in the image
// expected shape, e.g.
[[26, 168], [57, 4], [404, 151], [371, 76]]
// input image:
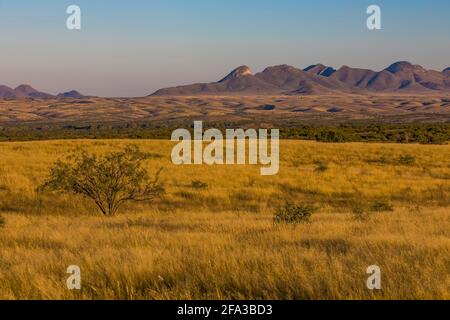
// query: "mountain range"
[[399, 77], [27, 92]]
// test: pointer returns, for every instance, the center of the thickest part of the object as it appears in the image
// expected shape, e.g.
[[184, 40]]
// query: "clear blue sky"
[[131, 48]]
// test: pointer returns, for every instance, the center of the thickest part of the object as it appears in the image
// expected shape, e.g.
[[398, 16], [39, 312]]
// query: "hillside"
[[320, 79]]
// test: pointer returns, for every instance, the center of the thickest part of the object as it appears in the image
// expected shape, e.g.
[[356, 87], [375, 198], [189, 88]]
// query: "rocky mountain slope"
[[320, 79]]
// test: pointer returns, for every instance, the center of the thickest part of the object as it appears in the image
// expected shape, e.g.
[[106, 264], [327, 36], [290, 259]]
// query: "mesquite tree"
[[109, 180]]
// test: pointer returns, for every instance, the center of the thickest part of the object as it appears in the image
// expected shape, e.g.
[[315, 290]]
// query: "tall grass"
[[219, 241]]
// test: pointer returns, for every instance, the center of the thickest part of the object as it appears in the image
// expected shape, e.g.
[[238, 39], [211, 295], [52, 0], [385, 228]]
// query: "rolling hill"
[[320, 79], [25, 91], [22, 91]]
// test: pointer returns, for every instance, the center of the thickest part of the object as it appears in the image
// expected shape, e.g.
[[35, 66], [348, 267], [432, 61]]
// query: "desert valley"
[[371, 186], [403, 92]]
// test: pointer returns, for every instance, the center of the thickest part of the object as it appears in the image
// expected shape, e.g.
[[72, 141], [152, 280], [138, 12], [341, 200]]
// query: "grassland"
[[216, 239]]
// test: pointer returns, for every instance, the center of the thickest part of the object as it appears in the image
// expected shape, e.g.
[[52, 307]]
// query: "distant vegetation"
[[398, 133], [432, 133]]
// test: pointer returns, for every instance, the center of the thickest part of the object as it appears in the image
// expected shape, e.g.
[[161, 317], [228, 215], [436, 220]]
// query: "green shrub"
[[197, 184], [381, 206], [294, 213], [321, 167], [108, 180]]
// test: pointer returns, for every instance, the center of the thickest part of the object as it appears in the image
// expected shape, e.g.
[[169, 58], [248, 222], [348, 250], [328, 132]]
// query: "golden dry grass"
[[219, 242]]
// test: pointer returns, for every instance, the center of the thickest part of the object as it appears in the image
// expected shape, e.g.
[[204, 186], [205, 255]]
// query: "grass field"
[[212, 234]]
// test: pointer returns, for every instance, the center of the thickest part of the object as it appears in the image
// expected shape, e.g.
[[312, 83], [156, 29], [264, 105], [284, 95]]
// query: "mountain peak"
[[71, 94], [403, 66], [239, 72], [281, 67], [320, 69], [25, 89], [315, 66]]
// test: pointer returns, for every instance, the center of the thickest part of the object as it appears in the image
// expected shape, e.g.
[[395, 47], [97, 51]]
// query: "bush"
[[196, 184], [108, 180], [2, 222], [294, 214], [321, 167], [381, 206]]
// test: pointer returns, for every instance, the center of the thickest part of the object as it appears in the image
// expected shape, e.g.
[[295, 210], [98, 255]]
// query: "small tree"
[[108, 180]]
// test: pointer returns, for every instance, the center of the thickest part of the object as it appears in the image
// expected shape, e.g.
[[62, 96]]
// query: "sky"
[[134, 47]]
